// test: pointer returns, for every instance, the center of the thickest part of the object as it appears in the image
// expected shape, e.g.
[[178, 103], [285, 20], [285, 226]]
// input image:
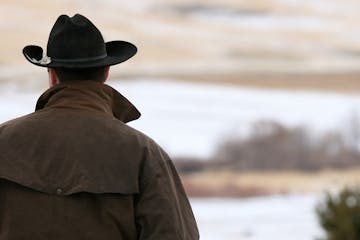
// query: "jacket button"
[[59, 191]]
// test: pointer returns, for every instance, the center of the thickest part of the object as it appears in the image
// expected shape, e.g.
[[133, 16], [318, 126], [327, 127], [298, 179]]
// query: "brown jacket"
[[74, 170]]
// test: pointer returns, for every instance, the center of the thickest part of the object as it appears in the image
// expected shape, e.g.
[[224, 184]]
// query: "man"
[[73, 169]]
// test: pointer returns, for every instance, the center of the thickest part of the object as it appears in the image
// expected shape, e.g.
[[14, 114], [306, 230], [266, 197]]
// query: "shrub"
[[339, 215]]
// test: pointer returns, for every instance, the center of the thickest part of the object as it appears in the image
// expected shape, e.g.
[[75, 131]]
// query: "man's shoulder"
[[14, 121], [144, 140]]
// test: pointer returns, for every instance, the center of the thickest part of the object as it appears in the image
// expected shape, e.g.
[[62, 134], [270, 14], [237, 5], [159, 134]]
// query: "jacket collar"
[[89, 95]]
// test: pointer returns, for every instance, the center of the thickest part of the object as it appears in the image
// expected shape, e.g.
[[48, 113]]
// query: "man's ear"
[[106, 75], [53, 78]]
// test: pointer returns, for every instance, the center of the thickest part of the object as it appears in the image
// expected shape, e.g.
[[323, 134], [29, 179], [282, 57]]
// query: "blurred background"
[[257, 102]]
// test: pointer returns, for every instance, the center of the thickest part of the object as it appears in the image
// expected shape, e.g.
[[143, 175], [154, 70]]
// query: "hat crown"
[[75, 38]]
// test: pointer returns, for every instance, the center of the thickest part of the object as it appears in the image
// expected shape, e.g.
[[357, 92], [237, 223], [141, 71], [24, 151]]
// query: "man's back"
[[74, 170]]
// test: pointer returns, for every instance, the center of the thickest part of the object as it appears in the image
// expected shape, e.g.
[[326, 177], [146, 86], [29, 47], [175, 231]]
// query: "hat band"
[[79, 59]]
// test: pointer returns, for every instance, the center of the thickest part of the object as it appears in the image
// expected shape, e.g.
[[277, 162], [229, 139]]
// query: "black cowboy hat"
[[76, 43]]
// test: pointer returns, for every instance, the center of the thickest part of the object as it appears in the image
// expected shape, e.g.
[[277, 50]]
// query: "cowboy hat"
[[75, 42]]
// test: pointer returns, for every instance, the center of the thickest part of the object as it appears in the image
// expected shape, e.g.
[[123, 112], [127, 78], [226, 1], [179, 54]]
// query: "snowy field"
[[267, 218], [191, 119]]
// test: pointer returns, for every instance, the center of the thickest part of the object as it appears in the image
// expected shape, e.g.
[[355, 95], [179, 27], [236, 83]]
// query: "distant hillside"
[[198, 39]]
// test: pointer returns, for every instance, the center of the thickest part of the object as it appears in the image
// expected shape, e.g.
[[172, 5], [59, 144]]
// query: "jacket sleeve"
[[162, 209]]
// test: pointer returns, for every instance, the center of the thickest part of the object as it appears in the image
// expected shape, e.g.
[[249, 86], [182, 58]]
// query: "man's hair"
[[93, 74]]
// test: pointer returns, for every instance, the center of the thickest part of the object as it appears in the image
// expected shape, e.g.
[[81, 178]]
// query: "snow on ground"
[[191, 119], [266, 218]]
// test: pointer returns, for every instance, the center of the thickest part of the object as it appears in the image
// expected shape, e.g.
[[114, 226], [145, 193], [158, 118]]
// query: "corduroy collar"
[[89, 95]]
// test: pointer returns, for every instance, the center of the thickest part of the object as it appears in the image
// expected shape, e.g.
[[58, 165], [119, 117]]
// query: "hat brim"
[[117, 52]]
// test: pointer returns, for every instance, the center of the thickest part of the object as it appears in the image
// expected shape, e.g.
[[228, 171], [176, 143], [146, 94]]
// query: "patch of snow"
[[190, 119], [271, 218]]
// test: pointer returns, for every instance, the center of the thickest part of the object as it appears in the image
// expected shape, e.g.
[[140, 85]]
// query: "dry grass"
[[191, 48], [347, 83], [337, 82], [234, 184]]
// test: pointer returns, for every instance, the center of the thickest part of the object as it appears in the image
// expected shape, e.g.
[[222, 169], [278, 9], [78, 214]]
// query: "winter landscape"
[[209, 72]]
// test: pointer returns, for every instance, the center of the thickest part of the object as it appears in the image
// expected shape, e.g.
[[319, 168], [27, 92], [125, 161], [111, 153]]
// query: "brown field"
[[175, 44], [348, 83], [234, 184]]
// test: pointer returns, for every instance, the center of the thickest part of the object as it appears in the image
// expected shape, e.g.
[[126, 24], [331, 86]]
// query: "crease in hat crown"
[[75, 42], [75, 39]]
